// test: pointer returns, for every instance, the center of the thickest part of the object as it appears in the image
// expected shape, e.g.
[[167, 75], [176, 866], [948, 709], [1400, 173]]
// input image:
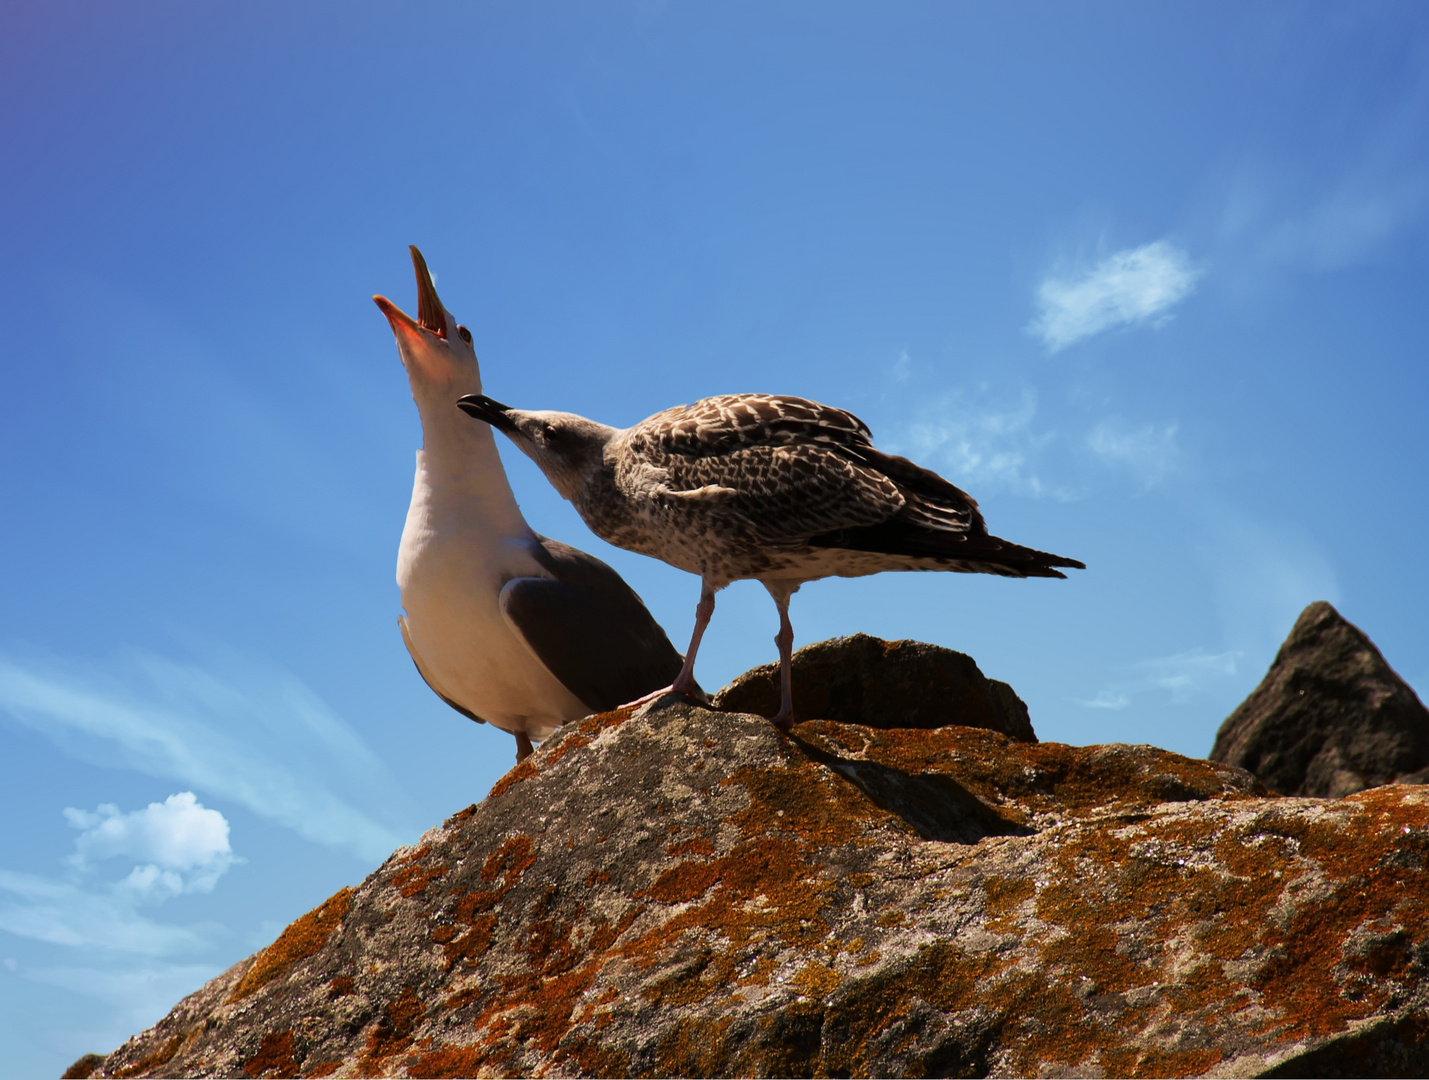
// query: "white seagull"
[[506, 626], [780, 489]]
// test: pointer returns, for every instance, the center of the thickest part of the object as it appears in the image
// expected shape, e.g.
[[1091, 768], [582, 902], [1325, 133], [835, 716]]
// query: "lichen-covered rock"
[[1330, 717], [862, 679], [683, 892]]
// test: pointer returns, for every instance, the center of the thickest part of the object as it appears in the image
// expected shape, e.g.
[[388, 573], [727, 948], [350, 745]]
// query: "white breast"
[[458, 549]]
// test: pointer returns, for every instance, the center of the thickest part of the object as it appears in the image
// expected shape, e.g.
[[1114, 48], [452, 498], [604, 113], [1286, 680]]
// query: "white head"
[[436, 351]]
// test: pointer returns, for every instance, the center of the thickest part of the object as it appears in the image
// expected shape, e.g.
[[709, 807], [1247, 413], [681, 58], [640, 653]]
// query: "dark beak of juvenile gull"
[[489, 410]]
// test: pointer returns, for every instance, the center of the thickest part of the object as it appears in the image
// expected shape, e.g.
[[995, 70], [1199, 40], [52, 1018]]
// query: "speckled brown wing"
[[780, 466], [782, 495], [716, 426]]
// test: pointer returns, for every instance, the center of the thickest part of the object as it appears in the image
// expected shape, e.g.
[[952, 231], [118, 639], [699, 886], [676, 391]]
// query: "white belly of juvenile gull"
[[506, 626], [780, 489]]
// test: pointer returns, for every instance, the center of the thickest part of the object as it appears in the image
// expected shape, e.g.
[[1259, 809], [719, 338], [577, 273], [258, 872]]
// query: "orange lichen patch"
[[84, 1067], [762, 888], [460, 817], [542, 1006], [341, 986], [323, 1068], [759, 974], [1002, 897], [805, 799], [462, 998], [603, 1061], [412, 879], [303, 938], [547, 941], [584, 734], [683, 882], [393, 1031], [892, 917], [159, 1057], [1044, 777], [571, 742], [510, 860], [523, 771], [699, 845], [274, 1056], [1366, 902], [449, 1061], [695, 1048], [816, 979], [473, 911], [467, 945], [1374, 872], [538, 1006], [596, 877], [1135, 1061]]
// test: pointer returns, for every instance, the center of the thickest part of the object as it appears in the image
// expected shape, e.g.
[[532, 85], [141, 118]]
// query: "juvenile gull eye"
[[464, 333]]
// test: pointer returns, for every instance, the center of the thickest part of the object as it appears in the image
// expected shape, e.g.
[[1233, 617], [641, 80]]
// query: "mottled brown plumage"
[[763, 486]]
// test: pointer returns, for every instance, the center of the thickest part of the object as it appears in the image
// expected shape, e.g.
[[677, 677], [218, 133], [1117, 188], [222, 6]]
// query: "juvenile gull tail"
[[764, 486]]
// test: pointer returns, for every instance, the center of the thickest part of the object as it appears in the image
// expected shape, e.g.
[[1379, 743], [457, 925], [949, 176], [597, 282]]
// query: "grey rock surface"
[[684, 892], [1330, 717]]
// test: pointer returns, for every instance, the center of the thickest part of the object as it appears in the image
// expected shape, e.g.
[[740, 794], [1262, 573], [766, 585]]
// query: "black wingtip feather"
[[990, 554]]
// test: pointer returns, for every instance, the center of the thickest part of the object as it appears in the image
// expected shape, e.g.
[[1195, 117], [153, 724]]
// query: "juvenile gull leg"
[[784, 718], [685, 681]]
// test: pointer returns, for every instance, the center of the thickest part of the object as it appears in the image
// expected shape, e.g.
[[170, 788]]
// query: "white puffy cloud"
[[181, 845], [1129, 287]]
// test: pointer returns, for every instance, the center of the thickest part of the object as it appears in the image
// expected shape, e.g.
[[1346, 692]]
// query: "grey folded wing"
[[589, 628]]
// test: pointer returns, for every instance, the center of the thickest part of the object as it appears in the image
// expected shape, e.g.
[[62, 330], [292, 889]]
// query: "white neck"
[[459, 473]]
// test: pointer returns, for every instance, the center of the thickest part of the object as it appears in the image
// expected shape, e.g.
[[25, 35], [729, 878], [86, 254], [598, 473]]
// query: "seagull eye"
[[465, 334]]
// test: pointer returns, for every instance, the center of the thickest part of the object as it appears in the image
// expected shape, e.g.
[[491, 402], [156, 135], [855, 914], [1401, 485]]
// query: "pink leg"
[[524, 749], [685, 681], [784, 718]]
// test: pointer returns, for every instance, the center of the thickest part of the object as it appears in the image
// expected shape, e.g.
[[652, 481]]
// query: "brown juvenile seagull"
[[780, 489]]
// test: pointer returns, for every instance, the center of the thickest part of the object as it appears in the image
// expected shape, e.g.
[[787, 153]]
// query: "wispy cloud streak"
[[60, 913], [1148, 452], [1130, 287], [977, 442], [259, 738], [1183, 676]]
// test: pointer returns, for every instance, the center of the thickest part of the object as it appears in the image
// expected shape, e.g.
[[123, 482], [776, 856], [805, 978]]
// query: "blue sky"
[[1148, 280]]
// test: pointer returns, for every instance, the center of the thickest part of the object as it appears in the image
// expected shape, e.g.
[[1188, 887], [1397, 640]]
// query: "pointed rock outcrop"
[[862, 679], [1330, 717]]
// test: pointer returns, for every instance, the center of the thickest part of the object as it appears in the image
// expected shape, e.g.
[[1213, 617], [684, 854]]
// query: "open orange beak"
[[431, 316]]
